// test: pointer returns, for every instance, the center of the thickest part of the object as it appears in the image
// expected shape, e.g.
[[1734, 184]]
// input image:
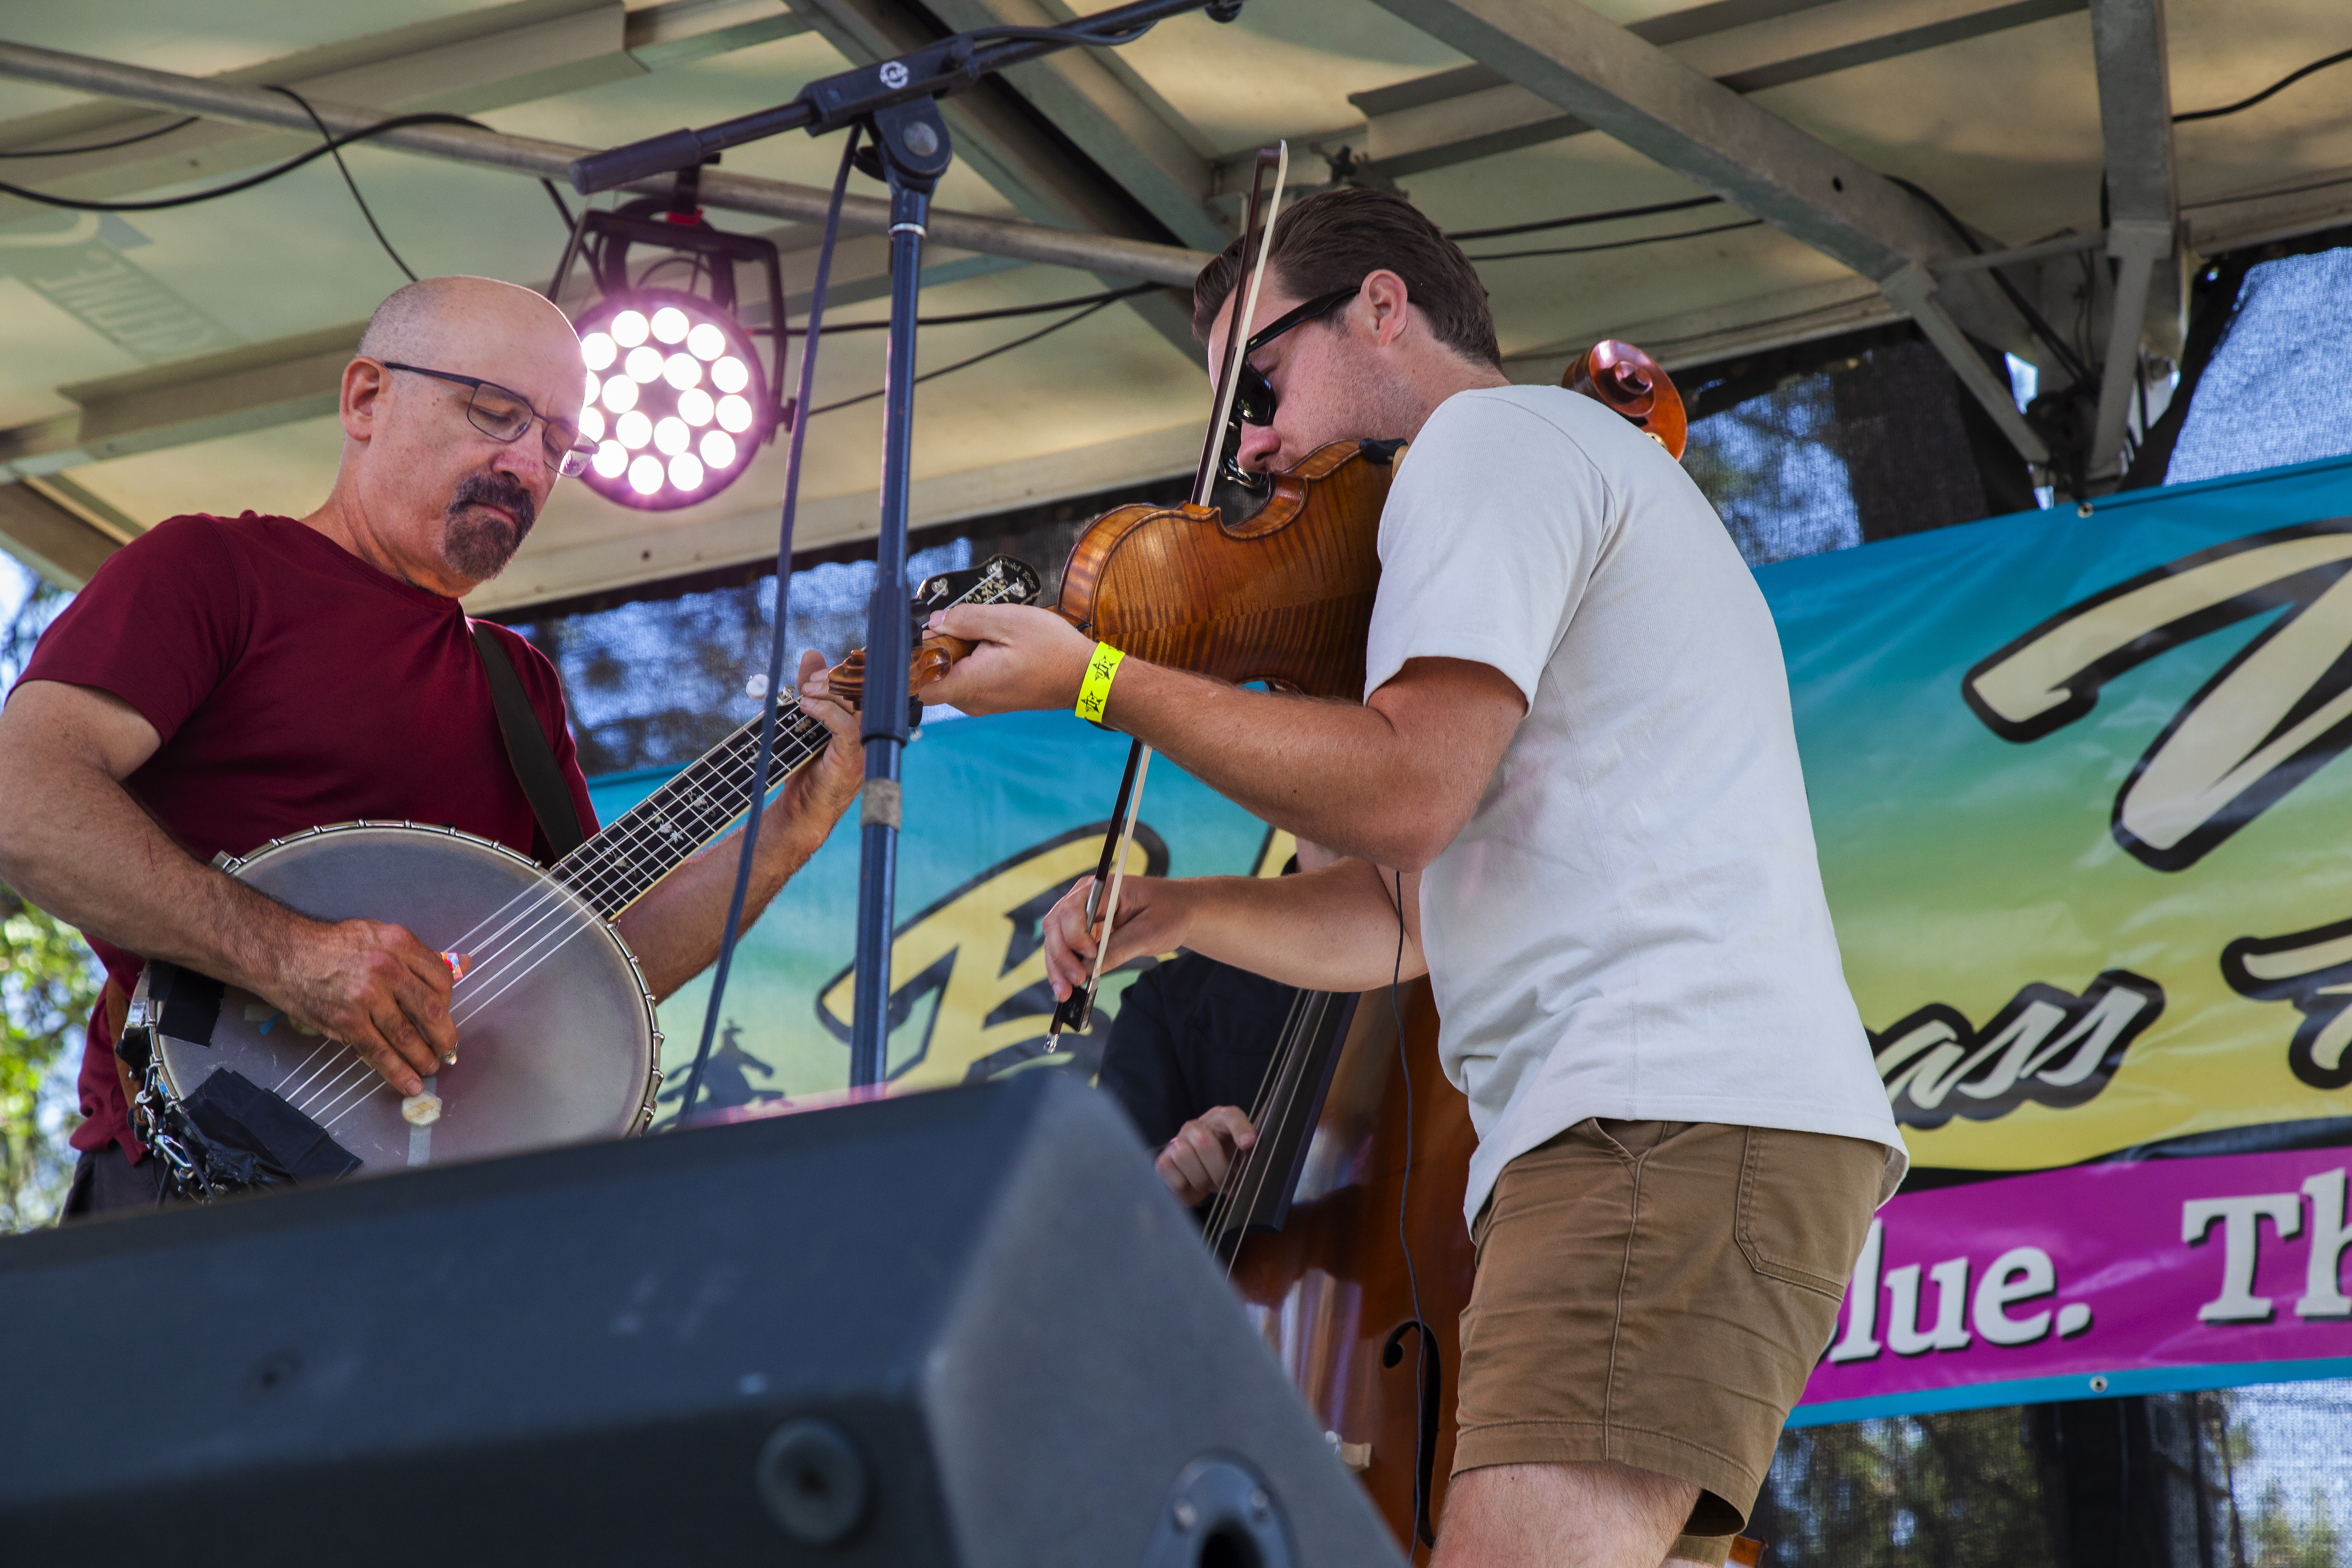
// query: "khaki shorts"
[[1655, 1293]]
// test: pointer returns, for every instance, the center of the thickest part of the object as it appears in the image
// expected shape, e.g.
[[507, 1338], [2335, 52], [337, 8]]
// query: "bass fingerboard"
[[653, 838]]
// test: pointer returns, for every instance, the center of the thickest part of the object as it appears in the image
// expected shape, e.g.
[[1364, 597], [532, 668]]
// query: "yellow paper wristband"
[[1094, 692]]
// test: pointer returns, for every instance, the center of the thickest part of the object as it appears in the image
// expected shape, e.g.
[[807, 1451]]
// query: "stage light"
[[592, 423], [667, 357]]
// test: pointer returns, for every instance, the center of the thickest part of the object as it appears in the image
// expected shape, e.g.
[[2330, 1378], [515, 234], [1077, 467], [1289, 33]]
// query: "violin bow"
[[1076, 1011]]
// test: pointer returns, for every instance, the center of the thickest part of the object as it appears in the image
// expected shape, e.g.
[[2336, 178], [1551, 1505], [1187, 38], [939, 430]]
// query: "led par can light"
[[678, 400]]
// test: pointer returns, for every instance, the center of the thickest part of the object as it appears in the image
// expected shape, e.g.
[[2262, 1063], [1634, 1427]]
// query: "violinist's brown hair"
[[1333, 239]]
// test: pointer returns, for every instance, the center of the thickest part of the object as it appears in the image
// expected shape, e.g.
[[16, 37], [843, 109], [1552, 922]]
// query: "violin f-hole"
[[1433, 1376]]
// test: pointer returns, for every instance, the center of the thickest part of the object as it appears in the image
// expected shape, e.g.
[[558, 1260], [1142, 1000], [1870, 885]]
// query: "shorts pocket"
[[1804, 1204]]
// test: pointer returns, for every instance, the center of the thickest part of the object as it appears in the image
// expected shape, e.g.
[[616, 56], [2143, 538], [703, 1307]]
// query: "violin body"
[[1284, 595], [1332, 1291]]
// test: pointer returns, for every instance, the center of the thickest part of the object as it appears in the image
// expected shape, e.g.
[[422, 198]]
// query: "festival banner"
[[2075, 778]]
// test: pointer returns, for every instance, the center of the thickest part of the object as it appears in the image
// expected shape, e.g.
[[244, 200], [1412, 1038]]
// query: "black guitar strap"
[[534, 760]]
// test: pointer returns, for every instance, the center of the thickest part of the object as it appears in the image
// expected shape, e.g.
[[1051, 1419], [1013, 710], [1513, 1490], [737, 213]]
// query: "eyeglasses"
[[505, 416], [1254, 398]]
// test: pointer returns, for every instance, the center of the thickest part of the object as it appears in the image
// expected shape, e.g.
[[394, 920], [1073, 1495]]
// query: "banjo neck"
[[654, 837]]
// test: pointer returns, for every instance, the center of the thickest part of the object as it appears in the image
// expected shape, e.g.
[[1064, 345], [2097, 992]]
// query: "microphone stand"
[[897, 101]]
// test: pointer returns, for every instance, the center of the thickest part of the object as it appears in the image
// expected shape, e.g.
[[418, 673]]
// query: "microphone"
[[638, 160]]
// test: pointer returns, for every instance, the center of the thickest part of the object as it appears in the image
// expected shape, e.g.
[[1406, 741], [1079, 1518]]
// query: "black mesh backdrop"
[[2245, 1477], [655, 675], [1827, 445]]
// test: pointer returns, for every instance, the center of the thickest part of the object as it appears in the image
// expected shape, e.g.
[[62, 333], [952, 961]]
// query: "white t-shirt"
[[1631, 925]]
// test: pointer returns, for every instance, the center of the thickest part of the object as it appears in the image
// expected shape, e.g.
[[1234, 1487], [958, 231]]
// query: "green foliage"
[[1951, 1490], [47, 986], [2286, 1536]]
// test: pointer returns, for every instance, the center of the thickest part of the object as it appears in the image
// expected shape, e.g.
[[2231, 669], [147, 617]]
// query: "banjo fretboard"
[[614, 869]]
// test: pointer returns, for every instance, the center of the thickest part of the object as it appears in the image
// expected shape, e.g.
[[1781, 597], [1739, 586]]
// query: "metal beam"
[[1042, 172], [1105, 253], [1571, 57], [62, 546], [463, 64], [1126, 129], [1473, 112], [2143, 196], [2283, 210], [551, 568], [1714, 332], [263, 386]]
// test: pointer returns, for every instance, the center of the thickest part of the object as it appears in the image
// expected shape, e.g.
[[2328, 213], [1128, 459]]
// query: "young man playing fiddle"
[[1572, 795]]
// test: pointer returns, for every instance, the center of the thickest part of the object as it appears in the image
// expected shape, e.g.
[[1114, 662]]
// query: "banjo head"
[[556, 1036]]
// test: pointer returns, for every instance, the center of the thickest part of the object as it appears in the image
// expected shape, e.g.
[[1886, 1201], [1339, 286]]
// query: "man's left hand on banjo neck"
[[223, 681]]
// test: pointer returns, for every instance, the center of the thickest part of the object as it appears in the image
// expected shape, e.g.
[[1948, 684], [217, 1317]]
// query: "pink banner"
[[2088, 1279]]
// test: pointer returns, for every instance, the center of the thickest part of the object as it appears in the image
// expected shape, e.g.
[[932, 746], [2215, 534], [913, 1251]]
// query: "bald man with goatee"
[[223, 681]]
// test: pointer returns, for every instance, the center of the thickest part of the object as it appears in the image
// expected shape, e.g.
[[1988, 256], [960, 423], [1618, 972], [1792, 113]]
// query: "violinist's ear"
[[1388, 306]]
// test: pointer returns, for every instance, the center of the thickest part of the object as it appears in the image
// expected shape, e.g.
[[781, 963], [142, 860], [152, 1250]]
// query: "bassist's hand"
[[374, 987], [1194, 1162]]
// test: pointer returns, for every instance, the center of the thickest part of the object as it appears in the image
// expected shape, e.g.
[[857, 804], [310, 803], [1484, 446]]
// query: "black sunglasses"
[[505, 416], [1254, 398]]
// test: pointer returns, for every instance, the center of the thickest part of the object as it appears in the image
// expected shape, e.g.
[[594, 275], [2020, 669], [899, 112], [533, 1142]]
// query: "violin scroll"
[[999, 580], [1620, 376]]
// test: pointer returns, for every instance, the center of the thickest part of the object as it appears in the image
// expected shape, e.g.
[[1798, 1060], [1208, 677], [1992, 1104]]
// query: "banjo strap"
[[534, 761]]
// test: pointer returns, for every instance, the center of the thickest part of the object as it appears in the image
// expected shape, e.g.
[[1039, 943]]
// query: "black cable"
[[1619, 244], [966, 363], [352, 185], [2033, 319], [771, 700], [396, 123], [1404, 1188], [1460, 236], [1107, 297], [109, 146], [557, 197], [2277, 87]]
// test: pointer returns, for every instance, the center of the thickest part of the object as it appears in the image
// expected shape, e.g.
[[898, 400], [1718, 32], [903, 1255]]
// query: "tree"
[[48, 985], [48, 982]]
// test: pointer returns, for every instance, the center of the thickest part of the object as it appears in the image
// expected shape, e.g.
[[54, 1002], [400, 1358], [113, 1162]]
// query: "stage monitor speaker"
[[966, 1327]]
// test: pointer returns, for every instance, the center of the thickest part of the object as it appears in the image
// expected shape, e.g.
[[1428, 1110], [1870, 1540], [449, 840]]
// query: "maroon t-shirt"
[[294, 685]]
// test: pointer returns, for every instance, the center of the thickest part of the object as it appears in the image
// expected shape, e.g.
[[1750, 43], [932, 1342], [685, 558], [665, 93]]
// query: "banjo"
[[561, 1043]]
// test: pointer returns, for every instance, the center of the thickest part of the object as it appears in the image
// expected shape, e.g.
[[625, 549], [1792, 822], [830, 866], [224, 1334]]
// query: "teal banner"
[[2077, 783]]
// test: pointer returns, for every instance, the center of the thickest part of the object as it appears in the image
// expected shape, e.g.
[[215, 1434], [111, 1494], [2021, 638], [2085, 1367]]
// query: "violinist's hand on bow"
[[1024, 657], [1194, 1163], [1152, 912]]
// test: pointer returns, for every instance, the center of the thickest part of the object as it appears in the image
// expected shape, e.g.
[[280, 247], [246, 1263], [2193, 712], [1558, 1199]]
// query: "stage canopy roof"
[[1865, 152]]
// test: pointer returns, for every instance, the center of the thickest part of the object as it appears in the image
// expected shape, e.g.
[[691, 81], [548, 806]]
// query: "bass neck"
[[654, 837]]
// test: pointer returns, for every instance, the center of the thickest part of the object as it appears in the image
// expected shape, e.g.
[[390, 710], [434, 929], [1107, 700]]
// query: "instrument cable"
[[2279, 86], [1412, 1280], [109, 146], [772, 699]]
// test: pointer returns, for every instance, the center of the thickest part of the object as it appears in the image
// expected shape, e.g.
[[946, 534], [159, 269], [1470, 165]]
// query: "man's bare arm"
[[74, 842], [1334, 929], [673, 930], [1393, 781]]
